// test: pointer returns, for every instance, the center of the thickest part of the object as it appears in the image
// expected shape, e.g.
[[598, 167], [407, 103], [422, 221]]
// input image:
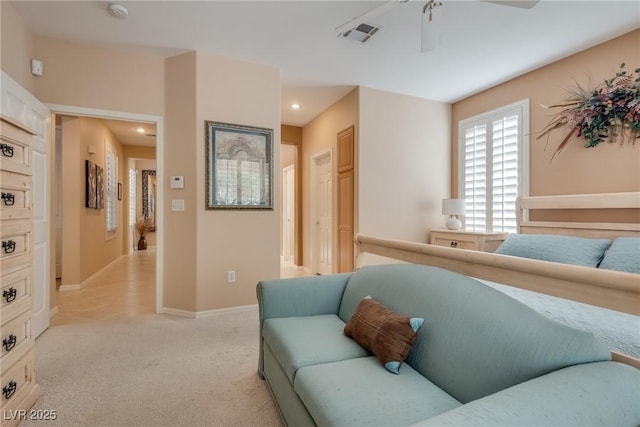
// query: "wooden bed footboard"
[[610, 289]]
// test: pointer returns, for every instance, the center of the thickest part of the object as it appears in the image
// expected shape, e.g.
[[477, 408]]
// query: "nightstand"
[[474, 240]]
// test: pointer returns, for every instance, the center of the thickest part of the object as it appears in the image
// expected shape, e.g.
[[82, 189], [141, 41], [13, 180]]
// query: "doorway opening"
[[129, 269]]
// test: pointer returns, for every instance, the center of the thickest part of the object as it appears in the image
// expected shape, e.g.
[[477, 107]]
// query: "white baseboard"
[[53, 311], [208, 313], [77, 287]]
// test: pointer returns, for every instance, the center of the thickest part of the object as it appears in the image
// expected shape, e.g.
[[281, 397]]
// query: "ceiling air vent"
[[362, 33]]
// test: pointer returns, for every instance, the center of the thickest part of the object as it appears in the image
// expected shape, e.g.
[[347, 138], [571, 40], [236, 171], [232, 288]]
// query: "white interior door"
[[41, 232], [59, 202], [288, 195], [323, 214]]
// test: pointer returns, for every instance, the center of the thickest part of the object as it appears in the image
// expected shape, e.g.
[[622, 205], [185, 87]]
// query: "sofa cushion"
[[302, 341], [579, 396], [623, 255], [475, 340], [563, 249], [357, 392], [383, 332]]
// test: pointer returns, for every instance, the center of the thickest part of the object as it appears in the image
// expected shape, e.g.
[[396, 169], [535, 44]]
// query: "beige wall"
[[245, 241], [291, 134], [16, 47], [180, 229], [319, 135], [608, 167], [87, 76], [288, 154], [404, 164], [87, 246]]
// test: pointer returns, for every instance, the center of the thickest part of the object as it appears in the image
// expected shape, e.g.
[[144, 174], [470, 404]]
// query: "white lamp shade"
[[453, 207]]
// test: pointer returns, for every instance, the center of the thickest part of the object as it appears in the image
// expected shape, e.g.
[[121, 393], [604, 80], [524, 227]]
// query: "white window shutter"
[[493, 157]]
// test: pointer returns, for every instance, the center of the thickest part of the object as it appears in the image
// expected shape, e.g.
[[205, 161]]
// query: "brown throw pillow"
[[383, 332]]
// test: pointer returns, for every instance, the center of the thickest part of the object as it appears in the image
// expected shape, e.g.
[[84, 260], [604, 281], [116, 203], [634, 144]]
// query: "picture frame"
[[99, 187], [119, 191], [91, 193], [239, 166]]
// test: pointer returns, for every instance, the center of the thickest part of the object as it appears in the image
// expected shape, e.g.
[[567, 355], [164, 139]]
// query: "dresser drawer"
[[15, 337], [16, 196], [16, 293], [15, 149], [16, 381], [454, 243], [16, 239]]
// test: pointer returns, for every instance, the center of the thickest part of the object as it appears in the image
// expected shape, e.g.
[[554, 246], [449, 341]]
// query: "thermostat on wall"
[[177, 182]]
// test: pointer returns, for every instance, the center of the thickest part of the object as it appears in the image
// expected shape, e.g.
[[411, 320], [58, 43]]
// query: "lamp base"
[[453, 223]]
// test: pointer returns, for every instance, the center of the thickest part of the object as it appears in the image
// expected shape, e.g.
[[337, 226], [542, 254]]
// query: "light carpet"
[[154, 370]]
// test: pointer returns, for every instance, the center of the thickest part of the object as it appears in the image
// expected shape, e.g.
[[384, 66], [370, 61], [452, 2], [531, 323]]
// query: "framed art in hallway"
[[119, 191], [239, 165], [99, 187], [90, 193]]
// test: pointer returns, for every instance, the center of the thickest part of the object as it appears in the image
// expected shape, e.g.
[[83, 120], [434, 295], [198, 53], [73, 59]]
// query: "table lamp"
[[454, 208]]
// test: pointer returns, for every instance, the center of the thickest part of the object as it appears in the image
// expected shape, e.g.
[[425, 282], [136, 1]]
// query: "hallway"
[[125, 289]]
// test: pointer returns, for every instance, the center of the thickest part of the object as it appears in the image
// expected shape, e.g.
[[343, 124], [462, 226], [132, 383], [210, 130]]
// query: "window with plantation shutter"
[[494, 167], [132, 197], [111, 199]]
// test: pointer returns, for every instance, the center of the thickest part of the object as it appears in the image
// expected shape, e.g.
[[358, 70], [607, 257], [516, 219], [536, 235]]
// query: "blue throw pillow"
[[563, 249], [623, 255]]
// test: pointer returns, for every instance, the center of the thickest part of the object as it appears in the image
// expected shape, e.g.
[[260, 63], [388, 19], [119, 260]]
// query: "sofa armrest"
[[303, 296], [592, 394]]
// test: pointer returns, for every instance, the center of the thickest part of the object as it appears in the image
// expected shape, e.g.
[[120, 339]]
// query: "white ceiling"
[[483, 44], [128, 134]]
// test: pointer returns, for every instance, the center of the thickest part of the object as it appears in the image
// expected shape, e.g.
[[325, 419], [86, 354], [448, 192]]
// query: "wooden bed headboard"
[[604, 230]]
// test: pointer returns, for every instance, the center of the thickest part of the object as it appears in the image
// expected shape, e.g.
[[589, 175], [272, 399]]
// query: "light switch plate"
[[177, 205], [37, 67]]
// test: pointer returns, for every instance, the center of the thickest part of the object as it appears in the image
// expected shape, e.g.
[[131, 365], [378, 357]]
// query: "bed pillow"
[[623, 255], [563, 249], [383, 332]]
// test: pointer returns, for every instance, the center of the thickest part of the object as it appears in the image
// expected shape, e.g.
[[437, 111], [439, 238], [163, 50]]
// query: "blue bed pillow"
[[623, 255], [563, 249]]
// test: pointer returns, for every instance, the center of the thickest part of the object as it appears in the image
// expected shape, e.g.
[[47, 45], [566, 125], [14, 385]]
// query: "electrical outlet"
[[231, 276]]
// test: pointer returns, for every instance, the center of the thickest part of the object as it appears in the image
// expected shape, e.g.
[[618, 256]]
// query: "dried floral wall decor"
[[610, 112]]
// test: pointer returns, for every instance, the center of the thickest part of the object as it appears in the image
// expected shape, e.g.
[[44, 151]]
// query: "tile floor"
[[125, 289]]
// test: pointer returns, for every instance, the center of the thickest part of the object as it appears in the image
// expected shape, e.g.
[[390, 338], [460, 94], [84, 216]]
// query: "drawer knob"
[[454, 244], [9, 343], [8, 246], [10, 294], [9, 389], [7, 150], [8, 199]]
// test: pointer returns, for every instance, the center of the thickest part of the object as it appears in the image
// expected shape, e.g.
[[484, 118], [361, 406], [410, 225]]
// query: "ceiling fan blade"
[[365, 17], [432, 24], [523, 4]]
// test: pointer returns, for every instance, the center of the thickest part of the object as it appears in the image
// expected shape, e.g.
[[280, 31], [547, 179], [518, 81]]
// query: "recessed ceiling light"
[[117, 10], [295, 106], [140, 130]]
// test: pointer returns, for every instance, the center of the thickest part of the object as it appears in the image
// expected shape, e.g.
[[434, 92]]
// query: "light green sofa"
[[480, 359]]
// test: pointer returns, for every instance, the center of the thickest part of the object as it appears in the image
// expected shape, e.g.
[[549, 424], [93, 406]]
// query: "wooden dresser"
[[474, 240], [17, 379]]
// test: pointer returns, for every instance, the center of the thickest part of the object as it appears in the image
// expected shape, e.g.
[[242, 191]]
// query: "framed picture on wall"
[[99, 187], [119, 191], [90, 193], [239, 166]]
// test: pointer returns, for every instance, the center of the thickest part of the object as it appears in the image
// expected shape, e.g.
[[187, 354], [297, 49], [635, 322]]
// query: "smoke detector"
[[117, 10]]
